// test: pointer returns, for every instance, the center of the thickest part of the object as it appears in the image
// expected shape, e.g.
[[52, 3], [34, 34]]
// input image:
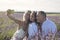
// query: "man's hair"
[[42, 13]]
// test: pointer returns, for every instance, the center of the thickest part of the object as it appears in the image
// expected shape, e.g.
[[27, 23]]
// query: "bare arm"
[[9, 12]]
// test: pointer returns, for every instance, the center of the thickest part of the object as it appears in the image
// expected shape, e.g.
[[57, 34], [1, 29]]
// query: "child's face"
[[32, 17]]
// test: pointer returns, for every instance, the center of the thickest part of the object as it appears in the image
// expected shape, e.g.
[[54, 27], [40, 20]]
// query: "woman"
[[23, 25]]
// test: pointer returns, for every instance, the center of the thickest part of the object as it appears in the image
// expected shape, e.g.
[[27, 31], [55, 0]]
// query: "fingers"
[[9, 11]]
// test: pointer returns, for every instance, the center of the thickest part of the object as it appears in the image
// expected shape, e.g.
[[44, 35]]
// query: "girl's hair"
[[27, 12], [28, 21], [34, 13]]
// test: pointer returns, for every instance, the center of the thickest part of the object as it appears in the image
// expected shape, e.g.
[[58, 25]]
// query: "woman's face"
[[26, 16], [32, 17]]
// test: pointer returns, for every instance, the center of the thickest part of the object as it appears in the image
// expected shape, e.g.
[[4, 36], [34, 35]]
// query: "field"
[[8, 26]]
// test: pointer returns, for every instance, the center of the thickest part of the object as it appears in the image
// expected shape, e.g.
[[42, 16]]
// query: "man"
[[48, 28]]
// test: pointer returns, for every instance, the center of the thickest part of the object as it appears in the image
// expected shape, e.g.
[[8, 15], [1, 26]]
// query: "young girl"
[[32, 29], [22, 29]]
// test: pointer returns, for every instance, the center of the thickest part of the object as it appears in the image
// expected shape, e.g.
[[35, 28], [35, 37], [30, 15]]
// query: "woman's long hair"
[[28, 21]]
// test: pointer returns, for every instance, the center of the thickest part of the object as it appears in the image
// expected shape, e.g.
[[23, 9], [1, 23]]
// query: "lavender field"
[[8, 26]]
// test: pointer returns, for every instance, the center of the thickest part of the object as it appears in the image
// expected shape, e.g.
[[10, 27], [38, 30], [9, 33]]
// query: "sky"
[[22, 5]]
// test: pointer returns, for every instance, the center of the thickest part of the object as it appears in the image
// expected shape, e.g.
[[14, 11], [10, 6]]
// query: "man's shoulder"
[[49, 23]]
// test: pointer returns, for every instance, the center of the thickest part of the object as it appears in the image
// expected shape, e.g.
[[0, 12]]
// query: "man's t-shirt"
[[48, 26]]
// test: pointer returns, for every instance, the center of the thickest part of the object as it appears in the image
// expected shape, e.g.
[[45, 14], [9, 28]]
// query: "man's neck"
[[43, 20]]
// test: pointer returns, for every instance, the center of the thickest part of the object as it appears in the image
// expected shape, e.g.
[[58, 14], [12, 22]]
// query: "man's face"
[[40, 18]]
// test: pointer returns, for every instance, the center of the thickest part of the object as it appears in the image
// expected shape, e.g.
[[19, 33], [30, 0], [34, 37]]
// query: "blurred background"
[[8, 26]]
